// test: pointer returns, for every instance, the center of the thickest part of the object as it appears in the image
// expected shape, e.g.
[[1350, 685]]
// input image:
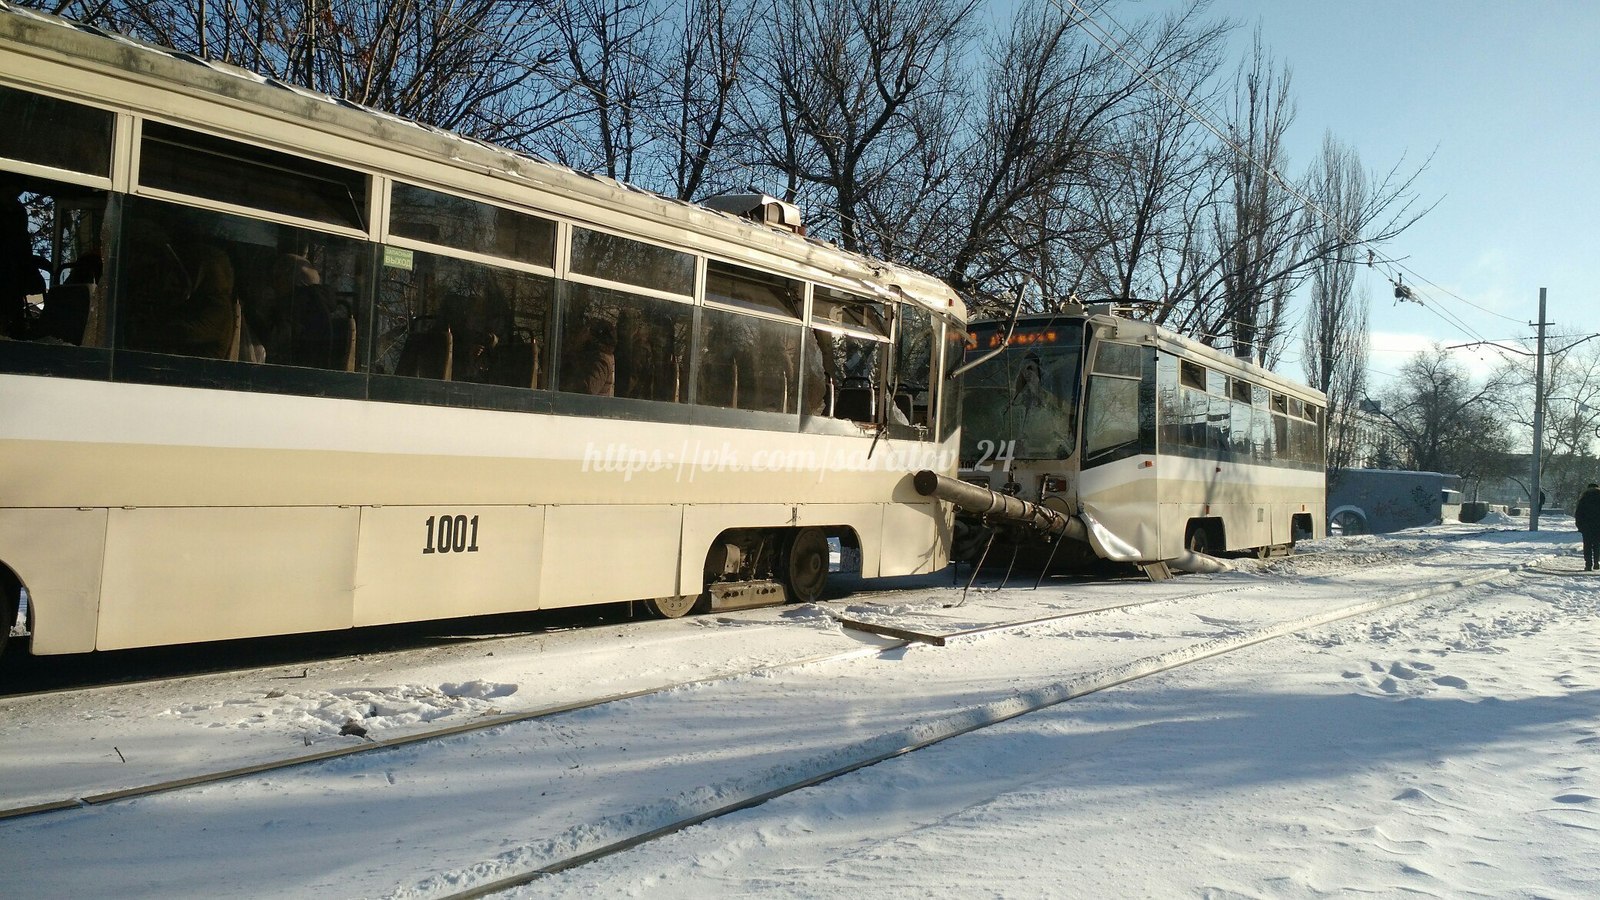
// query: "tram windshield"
[[1025, 399]]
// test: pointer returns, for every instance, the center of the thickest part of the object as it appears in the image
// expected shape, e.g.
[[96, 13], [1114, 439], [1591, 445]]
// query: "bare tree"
[[611, 86], [464, 65], [1336, 337], [1568, 459], [1446, 422], [841, 79], [1269, 234], [1157, 172], [700, 75], [1048, 127], [1259, 232]]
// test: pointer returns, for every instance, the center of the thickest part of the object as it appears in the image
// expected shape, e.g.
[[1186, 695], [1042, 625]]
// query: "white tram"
[[1160, 446], [285, 365]]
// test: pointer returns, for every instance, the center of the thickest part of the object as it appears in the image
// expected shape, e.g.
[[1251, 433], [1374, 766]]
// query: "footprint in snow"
[[1401, 670], [1449, 681], [1573, 798], [1389, 685]]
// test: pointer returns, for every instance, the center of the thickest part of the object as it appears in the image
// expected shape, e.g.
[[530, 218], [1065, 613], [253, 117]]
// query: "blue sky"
[[1505, 98]]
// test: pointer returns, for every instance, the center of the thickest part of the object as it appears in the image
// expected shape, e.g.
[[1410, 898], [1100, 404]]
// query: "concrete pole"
[[1538, 421]]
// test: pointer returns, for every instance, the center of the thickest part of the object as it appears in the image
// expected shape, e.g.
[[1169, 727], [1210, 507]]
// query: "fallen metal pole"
[[990, 505]]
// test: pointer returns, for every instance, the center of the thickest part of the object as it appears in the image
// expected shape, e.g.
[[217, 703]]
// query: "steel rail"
[[268, 670], [978, 718], [372, 745], [495, 721], [898, 642]]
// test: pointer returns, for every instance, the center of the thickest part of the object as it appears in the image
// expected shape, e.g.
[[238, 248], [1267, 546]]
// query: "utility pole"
[[1537, 500]]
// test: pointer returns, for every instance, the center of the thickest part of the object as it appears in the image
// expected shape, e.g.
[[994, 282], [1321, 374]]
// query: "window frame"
[[137, 188], [566, 239], [121, 122], [557, 240], [1191, 375], [889, 305], [703, 284]]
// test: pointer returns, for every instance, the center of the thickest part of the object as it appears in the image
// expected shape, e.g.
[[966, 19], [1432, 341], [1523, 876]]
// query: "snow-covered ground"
[[1445, 746]]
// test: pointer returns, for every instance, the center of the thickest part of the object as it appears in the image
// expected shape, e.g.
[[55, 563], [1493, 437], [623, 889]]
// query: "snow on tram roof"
[[131, 56]]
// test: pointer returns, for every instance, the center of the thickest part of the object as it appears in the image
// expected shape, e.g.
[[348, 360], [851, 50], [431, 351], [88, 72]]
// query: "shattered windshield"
[[1027, 394]]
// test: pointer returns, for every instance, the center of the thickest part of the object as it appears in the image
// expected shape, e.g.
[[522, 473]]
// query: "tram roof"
[[122, 56]]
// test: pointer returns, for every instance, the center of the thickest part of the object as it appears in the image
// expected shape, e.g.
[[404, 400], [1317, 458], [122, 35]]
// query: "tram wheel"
[[805, 570], [1199, 539], [672, 607], [10, 604]]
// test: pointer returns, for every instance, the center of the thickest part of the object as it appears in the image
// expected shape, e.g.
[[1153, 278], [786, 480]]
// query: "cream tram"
[[271, 364], [1137, 444]]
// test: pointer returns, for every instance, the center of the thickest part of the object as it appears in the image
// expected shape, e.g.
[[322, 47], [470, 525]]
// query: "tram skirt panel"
[[203, 574]]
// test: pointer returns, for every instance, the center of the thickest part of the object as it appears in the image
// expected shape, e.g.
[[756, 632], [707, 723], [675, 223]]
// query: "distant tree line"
[[1045, 155], [1442, 419]]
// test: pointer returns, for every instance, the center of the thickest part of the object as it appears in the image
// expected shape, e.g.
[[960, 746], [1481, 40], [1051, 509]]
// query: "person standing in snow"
[[1588, 518]]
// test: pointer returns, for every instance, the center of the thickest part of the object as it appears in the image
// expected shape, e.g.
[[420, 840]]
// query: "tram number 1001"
[[451, 534]]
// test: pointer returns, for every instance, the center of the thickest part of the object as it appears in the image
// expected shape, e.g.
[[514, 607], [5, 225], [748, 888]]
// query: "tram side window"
[[464, 224], [220, 286], [1192, 375], [1119, 411], [914, 382], [845, 359], [188, 162], [845, 310], [617, 344], [1260, 425], [50, 233], [1219, 419], [627, 261], [733, 285], [748, 362], [844, 373], [949, 395], [459, 320], [55, 133], [1117, 359], [1240, 428], [51, 240], [1171, 401]]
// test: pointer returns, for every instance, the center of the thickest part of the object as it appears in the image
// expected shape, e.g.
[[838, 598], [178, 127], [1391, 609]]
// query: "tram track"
[[575, 843], [277, 670], [897, 639], [489, 722], [947, 727]]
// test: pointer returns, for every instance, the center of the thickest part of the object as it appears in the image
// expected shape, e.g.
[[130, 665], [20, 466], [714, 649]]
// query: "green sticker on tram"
[[397, 258]]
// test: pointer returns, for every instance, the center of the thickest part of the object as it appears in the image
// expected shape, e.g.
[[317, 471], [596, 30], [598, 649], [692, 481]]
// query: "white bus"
[[1159, 445], [274, 364]]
